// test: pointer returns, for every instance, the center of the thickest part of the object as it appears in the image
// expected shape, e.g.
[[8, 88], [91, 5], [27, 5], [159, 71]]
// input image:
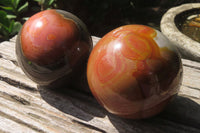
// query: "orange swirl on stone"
[[138, 43], [109, 66], [137, 29], [136, 47], [106, 68]]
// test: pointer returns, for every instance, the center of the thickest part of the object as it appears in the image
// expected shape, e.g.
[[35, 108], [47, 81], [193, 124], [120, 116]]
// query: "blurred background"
[[100, 16]]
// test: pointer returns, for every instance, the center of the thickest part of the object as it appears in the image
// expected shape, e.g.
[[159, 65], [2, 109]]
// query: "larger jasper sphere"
[[134, 71], [52, 47]]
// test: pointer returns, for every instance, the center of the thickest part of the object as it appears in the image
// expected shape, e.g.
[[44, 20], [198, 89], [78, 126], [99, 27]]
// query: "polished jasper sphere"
[[134, 71], [53, 47]]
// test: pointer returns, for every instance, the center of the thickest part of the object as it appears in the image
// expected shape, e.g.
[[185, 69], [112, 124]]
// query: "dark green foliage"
[[14, 8], [10, 17], [8, 27], [46, 4]]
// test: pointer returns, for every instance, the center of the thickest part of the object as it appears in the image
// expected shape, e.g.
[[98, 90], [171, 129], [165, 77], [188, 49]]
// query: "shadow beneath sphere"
[[182, 115], [76, 102]]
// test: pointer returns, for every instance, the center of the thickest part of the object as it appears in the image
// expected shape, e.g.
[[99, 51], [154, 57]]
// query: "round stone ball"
[[134, 71], [53, 47]]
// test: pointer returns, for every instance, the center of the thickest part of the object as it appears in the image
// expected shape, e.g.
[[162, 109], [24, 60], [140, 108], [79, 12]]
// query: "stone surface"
[[188, 48]]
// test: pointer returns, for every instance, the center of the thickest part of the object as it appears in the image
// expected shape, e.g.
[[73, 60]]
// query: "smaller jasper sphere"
[[52, 47], [134, 71]]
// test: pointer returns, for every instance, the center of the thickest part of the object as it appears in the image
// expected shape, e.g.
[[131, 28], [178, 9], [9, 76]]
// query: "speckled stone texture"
[[188, 48]]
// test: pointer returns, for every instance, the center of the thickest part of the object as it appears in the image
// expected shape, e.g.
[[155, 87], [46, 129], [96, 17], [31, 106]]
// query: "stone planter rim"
[[187, 47]]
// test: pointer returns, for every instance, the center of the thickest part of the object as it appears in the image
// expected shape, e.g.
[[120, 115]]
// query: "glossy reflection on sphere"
[[53, 45], [134, 71]]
